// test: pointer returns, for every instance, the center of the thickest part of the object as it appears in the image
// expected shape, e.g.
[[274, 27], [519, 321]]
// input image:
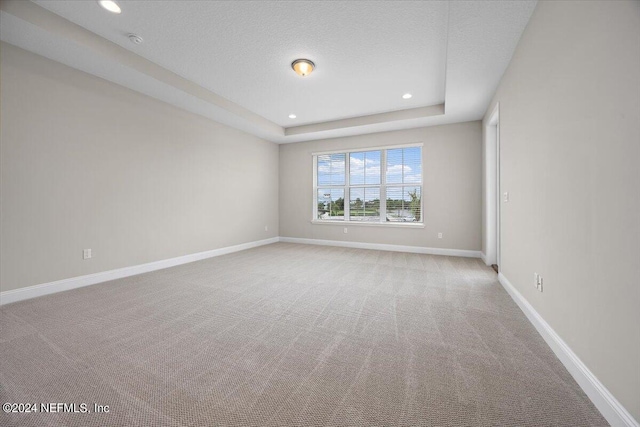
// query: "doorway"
[[492, 189]]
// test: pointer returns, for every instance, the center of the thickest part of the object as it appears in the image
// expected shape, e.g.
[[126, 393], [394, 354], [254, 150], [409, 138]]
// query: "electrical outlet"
[[266, 228], [540, 283], [86, 254], [439, 235], [346, 230], [506, 196]]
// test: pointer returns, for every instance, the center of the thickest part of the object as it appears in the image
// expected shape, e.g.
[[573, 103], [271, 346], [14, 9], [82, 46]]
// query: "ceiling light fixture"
[[110, 5], [303, 67], [292, 116], [406, 96]]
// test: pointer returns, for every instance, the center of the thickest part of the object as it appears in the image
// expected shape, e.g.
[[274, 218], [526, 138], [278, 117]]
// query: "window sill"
[[370, 224]]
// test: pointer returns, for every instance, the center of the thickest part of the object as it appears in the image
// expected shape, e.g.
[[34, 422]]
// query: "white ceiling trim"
[[476, 59], [58, 26], [392, 116]]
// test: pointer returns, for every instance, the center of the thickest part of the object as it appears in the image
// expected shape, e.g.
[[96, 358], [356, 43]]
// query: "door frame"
[[492, 188]]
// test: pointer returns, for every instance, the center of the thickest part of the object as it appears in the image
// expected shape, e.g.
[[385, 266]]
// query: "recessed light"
[[110, 5], [292, 116], [303, 67], [406, 96]]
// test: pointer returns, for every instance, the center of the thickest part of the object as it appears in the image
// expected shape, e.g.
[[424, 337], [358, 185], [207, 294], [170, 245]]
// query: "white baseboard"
[[384, 247], [601, 397], [483, 257], [15, 295], [606, 403]]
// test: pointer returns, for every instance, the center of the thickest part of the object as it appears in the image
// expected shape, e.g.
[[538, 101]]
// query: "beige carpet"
[[289, 335]]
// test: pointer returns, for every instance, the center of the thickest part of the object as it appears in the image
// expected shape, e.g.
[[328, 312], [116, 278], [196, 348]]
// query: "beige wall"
[[88, 164], [570, 159], [451, 192]]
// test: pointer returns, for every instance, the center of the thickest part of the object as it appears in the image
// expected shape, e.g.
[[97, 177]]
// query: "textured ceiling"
[[367, 54]]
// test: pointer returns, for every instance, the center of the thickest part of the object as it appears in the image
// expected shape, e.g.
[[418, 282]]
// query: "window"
[[374, 186]]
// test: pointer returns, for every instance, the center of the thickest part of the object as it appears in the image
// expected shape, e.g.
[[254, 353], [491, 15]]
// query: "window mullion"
[[347, 186], [421, 204], [315, 188], [402, 155], [383, 185]]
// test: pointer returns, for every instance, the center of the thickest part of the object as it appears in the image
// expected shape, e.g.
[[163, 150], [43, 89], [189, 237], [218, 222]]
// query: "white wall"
[[89, 164], [570, 159], [451, 158]]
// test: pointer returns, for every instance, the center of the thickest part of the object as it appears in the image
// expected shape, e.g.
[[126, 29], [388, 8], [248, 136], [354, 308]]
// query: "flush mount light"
[[406, 96], [303, 67], [292, 116], [110, 5]]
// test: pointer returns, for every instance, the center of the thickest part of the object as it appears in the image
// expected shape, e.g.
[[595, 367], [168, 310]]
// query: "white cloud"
[[412, 178], [398, 169]]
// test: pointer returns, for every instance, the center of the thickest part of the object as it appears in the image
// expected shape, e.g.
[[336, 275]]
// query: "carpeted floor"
[[289, 335]]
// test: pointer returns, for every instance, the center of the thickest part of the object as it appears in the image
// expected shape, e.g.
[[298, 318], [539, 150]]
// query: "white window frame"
[[383, 188]]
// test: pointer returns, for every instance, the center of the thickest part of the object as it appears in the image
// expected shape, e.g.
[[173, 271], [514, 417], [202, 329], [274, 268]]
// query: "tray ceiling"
[[230, 60]]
